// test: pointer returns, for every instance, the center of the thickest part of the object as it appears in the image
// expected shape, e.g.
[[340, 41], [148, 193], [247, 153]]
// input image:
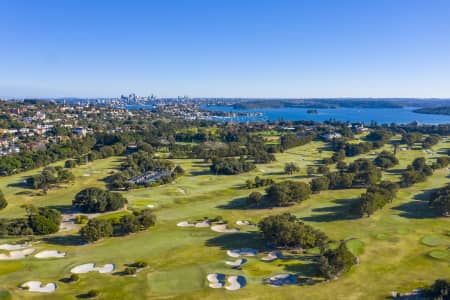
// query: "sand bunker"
[[36, 286], [217, 281], [237, 262], [86, 268], [271, 256], [242, 252], [18, 254], [151, 206], [50, 254], [223, 228], [282, 279], [235, 283], [242, 223], [86, 175], [11, 247], [203, 224]]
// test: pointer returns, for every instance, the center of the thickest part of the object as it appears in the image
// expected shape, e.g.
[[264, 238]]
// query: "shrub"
[[96, 229], [81, 219]]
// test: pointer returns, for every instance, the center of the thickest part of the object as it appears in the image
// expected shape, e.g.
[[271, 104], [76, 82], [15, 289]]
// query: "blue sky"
[[227, 48]]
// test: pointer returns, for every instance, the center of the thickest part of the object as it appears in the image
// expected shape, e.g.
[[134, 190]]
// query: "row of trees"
[[375, 197], [97, 229], [288, 231], [258, 182]]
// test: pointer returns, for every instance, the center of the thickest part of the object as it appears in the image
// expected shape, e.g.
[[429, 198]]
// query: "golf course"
[[401, 247]]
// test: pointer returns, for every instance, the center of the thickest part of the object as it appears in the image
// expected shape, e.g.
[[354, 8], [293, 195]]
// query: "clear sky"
[[225, 48]]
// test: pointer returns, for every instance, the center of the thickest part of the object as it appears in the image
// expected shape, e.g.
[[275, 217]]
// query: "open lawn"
[[400, 247]]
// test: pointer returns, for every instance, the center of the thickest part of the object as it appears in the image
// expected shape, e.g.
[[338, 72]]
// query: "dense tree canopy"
[[287, 192], [92, 200], [286, 230]]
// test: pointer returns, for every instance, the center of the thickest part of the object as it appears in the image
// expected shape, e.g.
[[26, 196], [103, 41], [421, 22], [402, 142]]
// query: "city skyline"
[[245, 49]]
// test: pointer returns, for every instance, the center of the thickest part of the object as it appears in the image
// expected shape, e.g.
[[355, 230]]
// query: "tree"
[[385, 160], [69, 164], [287, 192], [96, 229], [3, 202], [319, 184], [93, 200], [254, 199], [291, 168], [334, 262], [44, 221]]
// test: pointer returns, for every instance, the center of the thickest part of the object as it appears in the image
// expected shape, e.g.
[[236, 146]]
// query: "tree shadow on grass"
[[339, 212], [66, 240], [305, 269], [418, 208], [64, 209], [241, 203], [201, 172], [237, 240]]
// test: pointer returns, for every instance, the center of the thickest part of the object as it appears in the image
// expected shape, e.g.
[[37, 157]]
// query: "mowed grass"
[[389, 244]]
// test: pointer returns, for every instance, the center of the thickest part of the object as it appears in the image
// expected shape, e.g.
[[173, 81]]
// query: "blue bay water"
[[366, 115]]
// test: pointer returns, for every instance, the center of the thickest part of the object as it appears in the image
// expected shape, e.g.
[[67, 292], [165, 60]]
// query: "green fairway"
[[400, 247]]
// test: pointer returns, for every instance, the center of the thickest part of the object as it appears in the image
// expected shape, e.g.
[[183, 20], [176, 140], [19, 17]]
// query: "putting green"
[[439, 254], [432, 240]]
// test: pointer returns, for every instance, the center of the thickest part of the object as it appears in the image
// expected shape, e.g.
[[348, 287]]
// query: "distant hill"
[[319, 103], [441, 110]]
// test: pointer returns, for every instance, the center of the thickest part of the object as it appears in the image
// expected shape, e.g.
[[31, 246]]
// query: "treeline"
[[97, 229], [83, 150], [231, 166], [287, 231], [39, 221], [376, 139]]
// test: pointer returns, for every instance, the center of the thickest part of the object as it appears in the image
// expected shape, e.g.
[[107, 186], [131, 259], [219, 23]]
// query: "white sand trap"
[[271, 256], [242, 223], [36, 286], [185, 224], [237, 262], [242, 252], [86, 268], [223, 228], [216, 281], [151, 206], [282, 279], [202, 224], [50, 254], [86, 175], [18, 254], [235, 283], [11, 247]]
